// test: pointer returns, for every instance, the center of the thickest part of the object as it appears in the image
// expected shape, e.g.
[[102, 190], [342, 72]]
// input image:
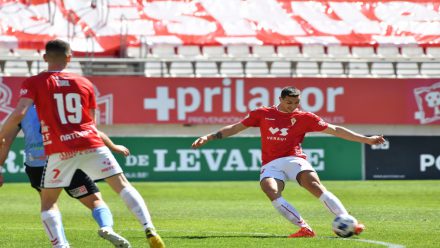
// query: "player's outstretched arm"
[[348, 134], [224, 132], [112, 146]]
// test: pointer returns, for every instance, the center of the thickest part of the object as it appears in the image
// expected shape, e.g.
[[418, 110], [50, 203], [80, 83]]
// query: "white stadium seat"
[[433, 52], [257, 69], [332, 69], [388, 51], [206, 69], [363, 52], [135, 52], [264, 51], [289, 51], [307, 69], [181, 69], [189, 51], [17, 68], [412, 52], [407, 69], [163, 51], [213, 51], [231, 69], [382, 69], [314, 50], [430, 69], [281, 69], [239, 51], [338, 51], [155, 69], [358, 69]]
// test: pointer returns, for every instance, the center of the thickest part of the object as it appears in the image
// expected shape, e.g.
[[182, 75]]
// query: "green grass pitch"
[[237, 214]]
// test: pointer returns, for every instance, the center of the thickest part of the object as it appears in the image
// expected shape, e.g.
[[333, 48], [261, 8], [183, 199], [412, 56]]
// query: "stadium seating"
[[189, 51], [266, 51], [332, 69], [281, 69], [163, 51], [155, 69], [407, 69], [366, 52], [206, 69], [433, 52], [257, 69], [308, 69], [289, 51], [358, 69], [238, 51], [338, 51], [382, 69], [387, 51], [315, 51], [430, 69], [231, 69], [244, 60], [412, 52], [214, 51], [181, 69]]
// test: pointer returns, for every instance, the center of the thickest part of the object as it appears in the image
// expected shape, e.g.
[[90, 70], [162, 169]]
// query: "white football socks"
[[53, 226], [289, 212], [333, 203], [137, 206]]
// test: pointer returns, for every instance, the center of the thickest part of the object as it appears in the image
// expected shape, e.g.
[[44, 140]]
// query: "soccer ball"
[[344, 225]]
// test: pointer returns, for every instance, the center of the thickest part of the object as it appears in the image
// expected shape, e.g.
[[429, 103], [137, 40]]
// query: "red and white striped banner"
[[30, 23]]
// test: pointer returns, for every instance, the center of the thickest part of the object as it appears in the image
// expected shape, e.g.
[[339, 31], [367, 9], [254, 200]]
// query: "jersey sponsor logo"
[[283, 131], [269, 119], [75, 135]]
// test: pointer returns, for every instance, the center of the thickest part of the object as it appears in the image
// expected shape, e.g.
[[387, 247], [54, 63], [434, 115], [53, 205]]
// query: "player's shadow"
[[226, 236]]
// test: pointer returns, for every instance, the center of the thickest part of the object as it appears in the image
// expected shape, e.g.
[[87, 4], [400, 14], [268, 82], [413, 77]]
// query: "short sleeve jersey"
[[63, 101], [282, 133]]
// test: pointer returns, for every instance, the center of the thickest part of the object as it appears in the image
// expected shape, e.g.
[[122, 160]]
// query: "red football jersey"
[[63, 101], [282, 133]]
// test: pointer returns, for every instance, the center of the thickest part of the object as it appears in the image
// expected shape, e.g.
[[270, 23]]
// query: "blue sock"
[[103, 216]]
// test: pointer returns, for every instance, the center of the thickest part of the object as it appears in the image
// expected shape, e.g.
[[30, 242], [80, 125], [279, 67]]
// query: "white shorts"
[[286, 168], [97, 163]]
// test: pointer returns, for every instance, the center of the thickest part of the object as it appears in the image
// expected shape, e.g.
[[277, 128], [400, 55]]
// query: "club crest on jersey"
[[293, 121]]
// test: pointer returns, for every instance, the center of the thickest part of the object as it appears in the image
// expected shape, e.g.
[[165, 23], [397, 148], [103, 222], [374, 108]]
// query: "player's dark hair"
[[290, 91], [58, 48]]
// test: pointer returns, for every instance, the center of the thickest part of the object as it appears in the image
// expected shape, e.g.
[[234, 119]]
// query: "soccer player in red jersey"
[[282, 129], [66, 104]]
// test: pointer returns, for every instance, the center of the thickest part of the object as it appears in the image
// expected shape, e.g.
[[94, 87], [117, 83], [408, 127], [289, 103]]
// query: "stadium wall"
[[172, 159]]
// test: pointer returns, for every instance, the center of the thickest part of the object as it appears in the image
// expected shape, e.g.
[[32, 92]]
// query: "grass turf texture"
[[236, 214]]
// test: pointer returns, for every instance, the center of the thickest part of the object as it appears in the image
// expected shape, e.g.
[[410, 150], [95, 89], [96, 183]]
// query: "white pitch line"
[[389, 245]]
